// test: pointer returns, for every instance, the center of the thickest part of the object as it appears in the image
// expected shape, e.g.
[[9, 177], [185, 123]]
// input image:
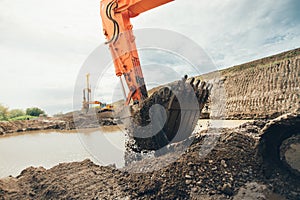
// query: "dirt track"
[[232, 170]]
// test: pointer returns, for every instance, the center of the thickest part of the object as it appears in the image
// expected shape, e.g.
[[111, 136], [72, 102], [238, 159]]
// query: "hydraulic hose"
[[116, 25]]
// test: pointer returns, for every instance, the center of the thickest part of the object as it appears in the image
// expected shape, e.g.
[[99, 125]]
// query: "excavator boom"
[[118, 31]]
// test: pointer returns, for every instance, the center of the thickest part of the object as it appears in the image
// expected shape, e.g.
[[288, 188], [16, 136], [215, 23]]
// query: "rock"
[[212, 192], [223, 163], [188, 176], [199, 183], [191, 173], [112, 166], [194, 189], [189, 181], [227, 189]]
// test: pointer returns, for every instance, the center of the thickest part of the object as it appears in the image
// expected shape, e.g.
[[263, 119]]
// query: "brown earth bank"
[[233, 169], [63, 122], [261, 89]]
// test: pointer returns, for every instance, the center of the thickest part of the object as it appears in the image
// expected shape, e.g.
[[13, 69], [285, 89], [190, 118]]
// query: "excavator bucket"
[[168, 116]]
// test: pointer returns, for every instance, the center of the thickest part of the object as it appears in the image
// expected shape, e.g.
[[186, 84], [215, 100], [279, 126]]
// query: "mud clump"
[[231, 170]]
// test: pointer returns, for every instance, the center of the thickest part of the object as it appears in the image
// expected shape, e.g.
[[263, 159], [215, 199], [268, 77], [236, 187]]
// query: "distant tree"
[[34, 111], [15, 113], [3, 113]]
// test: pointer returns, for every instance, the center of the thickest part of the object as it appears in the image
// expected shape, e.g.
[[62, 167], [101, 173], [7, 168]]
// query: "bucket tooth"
[[197, 85], [192, 82]]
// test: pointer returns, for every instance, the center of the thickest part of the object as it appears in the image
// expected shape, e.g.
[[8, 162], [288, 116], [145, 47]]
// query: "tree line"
[[19, 114]]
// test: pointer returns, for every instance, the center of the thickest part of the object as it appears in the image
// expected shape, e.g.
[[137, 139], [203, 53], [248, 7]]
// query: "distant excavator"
[[181, 114], [87, 93]]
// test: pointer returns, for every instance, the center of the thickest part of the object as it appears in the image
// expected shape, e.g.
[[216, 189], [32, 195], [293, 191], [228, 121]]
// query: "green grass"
[[25, 117]]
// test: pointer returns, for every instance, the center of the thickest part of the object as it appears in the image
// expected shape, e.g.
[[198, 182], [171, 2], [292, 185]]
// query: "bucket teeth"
[[197, 85], [192, 82], [185, 77]]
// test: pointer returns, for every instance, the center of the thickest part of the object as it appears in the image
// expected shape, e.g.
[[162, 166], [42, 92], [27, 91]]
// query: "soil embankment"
[[262, 89]]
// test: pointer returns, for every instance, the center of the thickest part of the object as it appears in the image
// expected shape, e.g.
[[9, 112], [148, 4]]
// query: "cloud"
[[231, 32]]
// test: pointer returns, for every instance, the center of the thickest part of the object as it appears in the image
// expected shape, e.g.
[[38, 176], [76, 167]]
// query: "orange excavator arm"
[[117, 28]]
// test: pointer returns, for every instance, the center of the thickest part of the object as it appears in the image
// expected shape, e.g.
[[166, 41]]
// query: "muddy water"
[[48, 148]]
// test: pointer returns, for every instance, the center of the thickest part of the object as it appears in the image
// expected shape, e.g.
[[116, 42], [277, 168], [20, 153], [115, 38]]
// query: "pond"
[[49, 148]]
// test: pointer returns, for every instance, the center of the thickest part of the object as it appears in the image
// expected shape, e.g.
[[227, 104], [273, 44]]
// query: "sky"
[[43, 44]]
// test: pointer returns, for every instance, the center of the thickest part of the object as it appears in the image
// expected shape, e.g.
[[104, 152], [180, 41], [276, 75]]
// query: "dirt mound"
[[229, 170], [69, 181]]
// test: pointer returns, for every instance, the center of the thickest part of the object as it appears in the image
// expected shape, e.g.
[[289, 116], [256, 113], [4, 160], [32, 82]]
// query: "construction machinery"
[[179, 103], [87, 93], [101, 107], [279, 144], [104, 107]]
